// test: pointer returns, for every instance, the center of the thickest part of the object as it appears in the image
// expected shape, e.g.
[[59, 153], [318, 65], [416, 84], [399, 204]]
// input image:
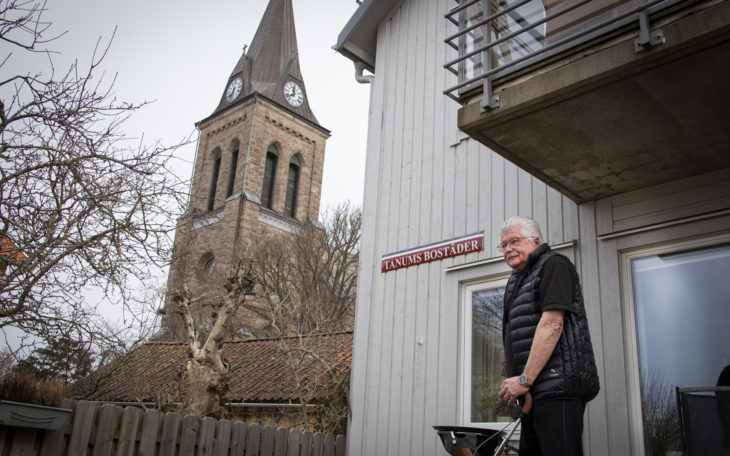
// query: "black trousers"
[[553, 427]]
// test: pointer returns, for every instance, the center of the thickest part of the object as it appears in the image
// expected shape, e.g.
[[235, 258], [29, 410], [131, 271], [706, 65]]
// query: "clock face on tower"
[[293, 94], [234, 89]]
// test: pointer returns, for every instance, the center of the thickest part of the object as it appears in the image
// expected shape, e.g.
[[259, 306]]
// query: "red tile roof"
[[258, 370], [8, 249]]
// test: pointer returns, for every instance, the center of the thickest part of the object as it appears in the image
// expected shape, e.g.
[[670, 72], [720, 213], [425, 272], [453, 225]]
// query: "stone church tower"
[[259, 161]]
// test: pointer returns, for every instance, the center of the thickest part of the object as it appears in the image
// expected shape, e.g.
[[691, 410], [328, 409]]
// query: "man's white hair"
[[529, 228]]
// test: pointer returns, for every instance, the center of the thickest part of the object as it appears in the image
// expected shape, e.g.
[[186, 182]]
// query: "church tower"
[[259, 162]]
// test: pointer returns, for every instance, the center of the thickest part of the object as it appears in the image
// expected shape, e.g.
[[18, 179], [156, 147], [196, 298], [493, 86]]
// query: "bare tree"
[[304, 285], [81, 205], [309, 283], [309, 280]]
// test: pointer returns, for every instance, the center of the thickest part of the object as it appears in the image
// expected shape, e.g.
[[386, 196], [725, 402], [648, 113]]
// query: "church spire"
[[270, 65]]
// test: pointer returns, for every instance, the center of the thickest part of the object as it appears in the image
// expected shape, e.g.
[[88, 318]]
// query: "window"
[[483, 355], [680, 310], [267, 190], [214, 181], [232, 172], [207, 265], [292, 184]]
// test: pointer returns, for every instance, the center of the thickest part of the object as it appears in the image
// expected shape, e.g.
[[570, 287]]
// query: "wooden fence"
[[105, 429]]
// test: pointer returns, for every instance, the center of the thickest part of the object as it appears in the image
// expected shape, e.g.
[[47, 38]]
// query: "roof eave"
[[358, 40]]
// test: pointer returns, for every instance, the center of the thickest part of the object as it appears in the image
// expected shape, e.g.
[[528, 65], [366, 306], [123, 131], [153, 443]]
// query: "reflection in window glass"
[[487, 356], [682, 308]]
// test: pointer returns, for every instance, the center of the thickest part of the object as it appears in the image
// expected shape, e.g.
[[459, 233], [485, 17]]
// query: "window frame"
[[465, 344], [273, 151], [290, 198], [631, 351], [215, 174], [232, 171]]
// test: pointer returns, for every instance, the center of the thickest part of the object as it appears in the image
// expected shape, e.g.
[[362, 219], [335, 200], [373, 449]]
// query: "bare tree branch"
[[83, 206]]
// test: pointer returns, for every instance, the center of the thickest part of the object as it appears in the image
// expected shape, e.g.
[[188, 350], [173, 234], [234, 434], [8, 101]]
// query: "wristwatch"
[[524, 382]]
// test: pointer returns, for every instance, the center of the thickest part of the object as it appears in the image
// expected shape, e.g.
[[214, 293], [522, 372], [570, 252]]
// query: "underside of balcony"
[[605, 119]]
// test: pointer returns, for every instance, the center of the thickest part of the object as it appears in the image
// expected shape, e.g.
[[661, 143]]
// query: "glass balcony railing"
[[495, 38]]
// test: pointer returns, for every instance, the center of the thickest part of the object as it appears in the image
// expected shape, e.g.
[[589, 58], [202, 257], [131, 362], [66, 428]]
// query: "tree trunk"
[[205, 389]]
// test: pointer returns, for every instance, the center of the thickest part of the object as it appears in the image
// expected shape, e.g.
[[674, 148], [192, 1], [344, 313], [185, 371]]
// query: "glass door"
[[681, 308]]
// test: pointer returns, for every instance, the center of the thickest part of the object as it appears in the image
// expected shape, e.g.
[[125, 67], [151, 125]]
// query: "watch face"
[[293, 94], [234, 89]]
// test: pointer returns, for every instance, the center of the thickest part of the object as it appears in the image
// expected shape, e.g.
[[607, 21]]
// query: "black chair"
[[704, 420]]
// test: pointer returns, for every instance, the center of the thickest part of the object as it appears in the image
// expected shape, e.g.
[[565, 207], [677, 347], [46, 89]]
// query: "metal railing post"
[[489, 100]]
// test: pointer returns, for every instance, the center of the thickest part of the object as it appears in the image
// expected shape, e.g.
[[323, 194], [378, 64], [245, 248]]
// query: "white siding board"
[[524, 193], [571, 226], [368, 345], [362, 372], [498, 201], [386, 386], [540, 205], [554, 230], [589, 273], [425, 144], [666, 202], [405, 301], [433, 366], [511, 190]]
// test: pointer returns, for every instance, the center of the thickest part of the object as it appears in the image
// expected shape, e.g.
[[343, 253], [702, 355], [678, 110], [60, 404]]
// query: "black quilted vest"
[[571, 371]]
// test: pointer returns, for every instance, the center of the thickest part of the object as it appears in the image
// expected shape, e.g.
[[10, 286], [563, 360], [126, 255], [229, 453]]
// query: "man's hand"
[[511, 390]]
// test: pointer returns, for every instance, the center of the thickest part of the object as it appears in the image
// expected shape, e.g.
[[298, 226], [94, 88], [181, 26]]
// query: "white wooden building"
[[617, 142]]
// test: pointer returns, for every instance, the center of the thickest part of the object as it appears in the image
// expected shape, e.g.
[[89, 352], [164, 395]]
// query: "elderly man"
[[547, 346]]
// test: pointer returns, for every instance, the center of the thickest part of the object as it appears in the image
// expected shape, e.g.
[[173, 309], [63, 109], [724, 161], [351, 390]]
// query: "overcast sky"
[[180, 54]]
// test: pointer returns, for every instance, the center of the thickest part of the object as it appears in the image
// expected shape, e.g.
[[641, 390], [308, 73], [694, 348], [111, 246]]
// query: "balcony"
[[595, 97]]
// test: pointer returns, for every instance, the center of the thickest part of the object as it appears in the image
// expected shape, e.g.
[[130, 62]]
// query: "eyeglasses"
[[514, 242]]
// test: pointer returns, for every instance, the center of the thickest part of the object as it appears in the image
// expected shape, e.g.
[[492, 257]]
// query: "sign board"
[[433, 252]]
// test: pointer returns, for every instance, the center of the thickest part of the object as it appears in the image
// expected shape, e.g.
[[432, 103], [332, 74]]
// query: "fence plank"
[[252, 440], [170, 429], [53, 443], [23, 442], [189, 435], [107, 424], [267, 441], [83, 422], [293, 442], [280, 441], [317, 444], [206, 437], [222, 438], [340, 445], [307, 443], [150, 430], [4, 438], [238, 438], [329, 445], [130, 422]]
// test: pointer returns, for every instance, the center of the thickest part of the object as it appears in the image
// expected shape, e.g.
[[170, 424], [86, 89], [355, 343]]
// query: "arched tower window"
[[267, 191], [232, 171], [292, 185], [214, 179]]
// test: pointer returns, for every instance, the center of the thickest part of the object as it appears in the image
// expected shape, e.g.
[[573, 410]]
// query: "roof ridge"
[[260, 339]]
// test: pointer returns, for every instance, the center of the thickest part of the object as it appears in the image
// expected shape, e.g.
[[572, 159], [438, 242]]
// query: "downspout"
[[245, 175], [359, 76]]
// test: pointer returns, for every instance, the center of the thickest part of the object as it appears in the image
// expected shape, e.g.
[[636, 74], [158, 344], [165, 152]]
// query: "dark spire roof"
[[271, 61]]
